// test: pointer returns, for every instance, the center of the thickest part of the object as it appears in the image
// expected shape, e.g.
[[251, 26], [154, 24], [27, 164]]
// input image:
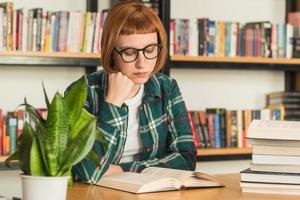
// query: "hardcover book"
[[155, 179], [248, 175]]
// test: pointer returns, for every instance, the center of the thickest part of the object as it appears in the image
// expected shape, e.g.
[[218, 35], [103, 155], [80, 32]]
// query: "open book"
[[154, 179]]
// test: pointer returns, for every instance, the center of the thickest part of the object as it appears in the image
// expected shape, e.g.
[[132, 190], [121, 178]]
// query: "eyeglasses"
[[150, 51]]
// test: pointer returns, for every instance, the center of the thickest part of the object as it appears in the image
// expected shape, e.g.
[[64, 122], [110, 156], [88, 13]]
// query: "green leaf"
[[37, 166], [46, 96], [57, 126], [85, 118], [100, 138], [75, 99], [80, 146], [39, 124], [12, 157], [94, 157], [24, 148]]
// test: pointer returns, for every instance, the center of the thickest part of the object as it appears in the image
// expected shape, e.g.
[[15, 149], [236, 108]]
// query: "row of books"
[[39, 30], [287, 102], [275, 166], [220, 128], [11, 127], [207, 37]]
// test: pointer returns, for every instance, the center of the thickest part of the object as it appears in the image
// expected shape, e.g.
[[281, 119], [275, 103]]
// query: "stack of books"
[[275, 166]]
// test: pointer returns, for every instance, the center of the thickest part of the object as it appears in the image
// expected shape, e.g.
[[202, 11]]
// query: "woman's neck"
[[135, 89]]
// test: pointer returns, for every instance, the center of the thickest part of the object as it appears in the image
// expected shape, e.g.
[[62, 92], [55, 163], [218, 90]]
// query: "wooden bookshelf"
[[224, 151], [253, 60], [19, 58], [51, 54]]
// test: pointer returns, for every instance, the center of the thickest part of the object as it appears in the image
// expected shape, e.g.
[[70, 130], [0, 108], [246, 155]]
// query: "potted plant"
[[48, 148]]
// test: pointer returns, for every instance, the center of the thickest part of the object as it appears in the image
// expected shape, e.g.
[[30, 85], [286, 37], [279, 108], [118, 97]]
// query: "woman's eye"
[[129, 52], [150, 49]]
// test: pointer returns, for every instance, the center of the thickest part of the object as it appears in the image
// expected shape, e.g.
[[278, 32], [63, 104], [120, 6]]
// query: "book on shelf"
[[155, 179], [34, 29], [249, 175], [270, 188], [221, 128], [231, 39]]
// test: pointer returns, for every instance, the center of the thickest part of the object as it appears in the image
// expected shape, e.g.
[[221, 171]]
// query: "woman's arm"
[[110, 119]]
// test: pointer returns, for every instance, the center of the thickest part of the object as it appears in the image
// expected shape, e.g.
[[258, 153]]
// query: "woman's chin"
[[140, 81]]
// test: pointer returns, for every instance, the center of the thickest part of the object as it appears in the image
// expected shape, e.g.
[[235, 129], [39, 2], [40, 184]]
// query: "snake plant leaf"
[[36, 164], [46, 96], [100, 138], [94, 157], [80, 146], [24, 148], [39, 124], [57, 126], [75, 98], [12, 157], [81, 122], [34, 114]]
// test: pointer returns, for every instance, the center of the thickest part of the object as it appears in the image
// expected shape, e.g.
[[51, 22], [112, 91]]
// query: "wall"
[[233, 89]]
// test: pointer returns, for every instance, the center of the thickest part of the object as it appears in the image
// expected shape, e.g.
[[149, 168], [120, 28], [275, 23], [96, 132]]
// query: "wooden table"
[[231, 191]]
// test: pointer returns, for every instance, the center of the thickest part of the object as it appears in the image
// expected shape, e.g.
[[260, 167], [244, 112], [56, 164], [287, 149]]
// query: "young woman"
[[140, 111]]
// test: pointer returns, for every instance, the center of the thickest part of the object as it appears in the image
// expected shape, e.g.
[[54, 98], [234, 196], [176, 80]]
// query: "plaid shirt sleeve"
[[110, 120], [181, 151]]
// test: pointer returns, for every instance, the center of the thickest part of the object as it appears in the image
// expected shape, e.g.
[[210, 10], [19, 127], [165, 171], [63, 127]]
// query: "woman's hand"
[[113, 169], [119, 88]]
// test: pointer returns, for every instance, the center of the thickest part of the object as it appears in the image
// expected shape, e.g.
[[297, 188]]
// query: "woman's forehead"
[[137, 40]]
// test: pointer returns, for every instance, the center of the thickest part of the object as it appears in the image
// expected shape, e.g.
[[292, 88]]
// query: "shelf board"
[[257, 63], [51, 54], [224, 151], [19, 58], [255, 60]]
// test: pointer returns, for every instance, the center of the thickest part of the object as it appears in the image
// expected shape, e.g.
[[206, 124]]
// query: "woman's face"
[[140, 69]]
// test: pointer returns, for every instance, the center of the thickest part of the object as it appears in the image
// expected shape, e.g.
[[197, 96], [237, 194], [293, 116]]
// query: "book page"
[[168, 173], [137, 183], [275, 124], [187, 178]]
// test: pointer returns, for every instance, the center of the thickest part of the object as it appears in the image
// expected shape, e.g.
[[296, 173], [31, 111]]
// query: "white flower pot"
[[44, 187]]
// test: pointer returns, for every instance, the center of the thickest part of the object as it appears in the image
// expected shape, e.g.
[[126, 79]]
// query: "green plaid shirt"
[[165, 130]]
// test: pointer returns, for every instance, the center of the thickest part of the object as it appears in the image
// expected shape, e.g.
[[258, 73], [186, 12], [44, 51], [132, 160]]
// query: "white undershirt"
[[133, 143]]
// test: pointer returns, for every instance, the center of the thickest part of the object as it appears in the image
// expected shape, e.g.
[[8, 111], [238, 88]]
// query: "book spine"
[[1, 133], [12, 132], [1, 28], [195, 136], [24, 30]]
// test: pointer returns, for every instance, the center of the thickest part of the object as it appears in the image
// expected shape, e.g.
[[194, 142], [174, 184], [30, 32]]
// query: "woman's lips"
[[141, 74]]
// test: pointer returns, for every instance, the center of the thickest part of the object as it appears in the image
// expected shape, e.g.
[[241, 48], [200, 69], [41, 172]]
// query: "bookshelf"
[[224, 151], [16, 58], [89, 61], [290, 67], [253, 60]]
